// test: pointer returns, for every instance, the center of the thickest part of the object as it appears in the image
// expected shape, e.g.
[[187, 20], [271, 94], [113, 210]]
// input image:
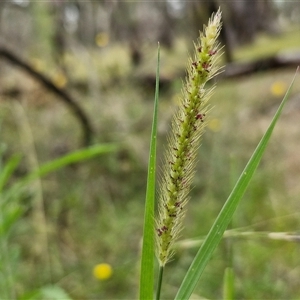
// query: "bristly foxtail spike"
[[183, 141]]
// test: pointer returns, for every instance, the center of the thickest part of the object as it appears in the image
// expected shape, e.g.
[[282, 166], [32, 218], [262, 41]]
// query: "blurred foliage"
[[94, 210]]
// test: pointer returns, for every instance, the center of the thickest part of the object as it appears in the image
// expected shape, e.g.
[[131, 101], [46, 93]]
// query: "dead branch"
[[63, 95], [283, 60]]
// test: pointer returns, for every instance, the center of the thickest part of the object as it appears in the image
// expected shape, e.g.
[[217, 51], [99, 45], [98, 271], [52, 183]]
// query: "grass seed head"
[[187, 128]]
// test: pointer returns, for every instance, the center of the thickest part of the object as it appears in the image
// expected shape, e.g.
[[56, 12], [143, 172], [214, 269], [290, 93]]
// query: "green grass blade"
[[74, 157], [147, 259], [216, 232], [228, 284], [8, 169]]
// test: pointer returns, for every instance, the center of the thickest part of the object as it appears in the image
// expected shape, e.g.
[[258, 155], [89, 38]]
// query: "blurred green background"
[[103, 53]]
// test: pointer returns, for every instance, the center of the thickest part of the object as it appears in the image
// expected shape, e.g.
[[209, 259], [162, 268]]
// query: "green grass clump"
[[93, 210]]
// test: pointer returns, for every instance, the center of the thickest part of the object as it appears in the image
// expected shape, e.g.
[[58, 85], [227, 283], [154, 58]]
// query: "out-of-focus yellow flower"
[[60, 80], [102, 39], [214, 125], [278, 88], [102, 271]]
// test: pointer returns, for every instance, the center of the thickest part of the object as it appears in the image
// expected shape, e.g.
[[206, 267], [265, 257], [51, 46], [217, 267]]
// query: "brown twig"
[[278, 61], [63, 95]]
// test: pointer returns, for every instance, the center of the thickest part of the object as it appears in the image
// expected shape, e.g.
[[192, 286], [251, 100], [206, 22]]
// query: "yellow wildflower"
[[102, 271], [278, 88]]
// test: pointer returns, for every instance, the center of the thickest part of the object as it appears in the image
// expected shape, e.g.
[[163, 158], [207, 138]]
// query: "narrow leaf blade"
[[74, 157], [147, 259], [8, 170]]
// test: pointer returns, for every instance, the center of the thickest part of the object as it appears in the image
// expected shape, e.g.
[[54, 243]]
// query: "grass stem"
[[159, 283]]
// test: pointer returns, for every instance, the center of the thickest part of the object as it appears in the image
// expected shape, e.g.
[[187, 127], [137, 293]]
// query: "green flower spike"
[[187, 128]]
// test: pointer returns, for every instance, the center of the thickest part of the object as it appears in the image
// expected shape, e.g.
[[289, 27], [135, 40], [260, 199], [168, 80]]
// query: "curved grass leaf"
[[216, 232], [70, 158], [8, 169], [147, 259]]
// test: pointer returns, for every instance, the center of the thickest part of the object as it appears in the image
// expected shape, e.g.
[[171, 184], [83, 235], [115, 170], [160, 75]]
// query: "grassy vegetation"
[[94, 210]]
